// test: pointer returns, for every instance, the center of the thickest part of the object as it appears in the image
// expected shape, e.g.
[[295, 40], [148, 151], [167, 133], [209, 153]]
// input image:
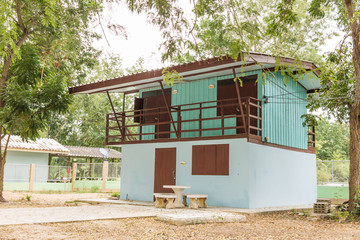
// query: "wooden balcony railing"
[[190, 121], [311, 137]]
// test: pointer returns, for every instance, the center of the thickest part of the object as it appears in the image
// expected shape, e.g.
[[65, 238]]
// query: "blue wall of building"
[[280, 177], [17, 167], [282, 122], [260, 176], [138, 163]]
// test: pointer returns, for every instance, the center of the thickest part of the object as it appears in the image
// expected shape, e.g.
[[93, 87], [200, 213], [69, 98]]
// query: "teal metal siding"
[[282, 122]]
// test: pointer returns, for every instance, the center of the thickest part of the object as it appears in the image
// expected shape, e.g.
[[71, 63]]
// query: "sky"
[[143, 38]]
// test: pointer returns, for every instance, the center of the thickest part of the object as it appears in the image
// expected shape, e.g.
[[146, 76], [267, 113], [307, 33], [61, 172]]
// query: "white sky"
[[143, 38]]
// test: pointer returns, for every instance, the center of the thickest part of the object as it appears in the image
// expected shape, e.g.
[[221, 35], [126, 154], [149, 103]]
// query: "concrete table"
[[178, 192]]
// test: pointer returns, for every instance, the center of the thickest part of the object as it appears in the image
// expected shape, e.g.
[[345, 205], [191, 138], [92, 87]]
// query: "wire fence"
[[52, 173], [59, 173], [114, 171], [333, 171], [93, 171], [89, 171]]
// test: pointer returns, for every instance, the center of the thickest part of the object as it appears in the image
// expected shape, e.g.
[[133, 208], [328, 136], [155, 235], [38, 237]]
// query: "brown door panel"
[[165, 169]]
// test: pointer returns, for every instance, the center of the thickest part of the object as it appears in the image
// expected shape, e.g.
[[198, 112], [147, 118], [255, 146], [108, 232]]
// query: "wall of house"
[[259, 175], [137, 173], [282, 122], [17, 167], [195, 92], [280, 177]]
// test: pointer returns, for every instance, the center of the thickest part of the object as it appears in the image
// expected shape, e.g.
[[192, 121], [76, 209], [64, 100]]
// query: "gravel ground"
[[280, 226], [18, 199], [274, 226]]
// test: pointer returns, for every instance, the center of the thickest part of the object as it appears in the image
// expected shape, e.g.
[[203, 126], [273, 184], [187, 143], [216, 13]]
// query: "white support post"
[[32, 177], [73, 176], [105, 171]]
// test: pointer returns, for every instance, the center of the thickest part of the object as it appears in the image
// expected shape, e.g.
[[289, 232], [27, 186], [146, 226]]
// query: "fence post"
[[32, 177], [73, 176], [105, 174], [332, 171]]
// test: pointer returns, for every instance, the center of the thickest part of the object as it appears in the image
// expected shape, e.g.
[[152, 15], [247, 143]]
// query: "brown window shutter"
[[222, 159], [210, 159], [138, 105], [197, 160], [209, 153]]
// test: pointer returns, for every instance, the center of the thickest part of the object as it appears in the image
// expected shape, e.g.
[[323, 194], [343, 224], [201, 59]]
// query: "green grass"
[[333, 192]]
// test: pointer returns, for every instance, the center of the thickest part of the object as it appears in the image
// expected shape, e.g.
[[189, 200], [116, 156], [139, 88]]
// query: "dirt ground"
[[274, 226], [51, 199]]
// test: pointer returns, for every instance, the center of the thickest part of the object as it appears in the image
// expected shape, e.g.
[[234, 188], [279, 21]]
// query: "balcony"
[[195, 121]]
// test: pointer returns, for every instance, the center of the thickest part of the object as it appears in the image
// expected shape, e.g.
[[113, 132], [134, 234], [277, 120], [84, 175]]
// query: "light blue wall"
[[138, 173], [280, 177], [17, 167], [260, 176]]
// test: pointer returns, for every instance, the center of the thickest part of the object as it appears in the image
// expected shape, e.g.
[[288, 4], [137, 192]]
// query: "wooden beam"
[[123, 103], [239, 100], [168, 109], [117, 121]]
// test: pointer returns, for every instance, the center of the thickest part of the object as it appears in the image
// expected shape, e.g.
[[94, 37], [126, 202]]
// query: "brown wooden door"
[[226, 90], [165, 169], [155, 99]]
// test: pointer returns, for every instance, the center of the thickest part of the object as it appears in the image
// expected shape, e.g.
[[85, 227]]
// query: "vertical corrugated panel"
[[282, 122], [195, 92]]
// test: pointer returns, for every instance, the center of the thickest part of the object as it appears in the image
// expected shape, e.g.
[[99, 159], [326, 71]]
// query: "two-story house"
[[243, 143]]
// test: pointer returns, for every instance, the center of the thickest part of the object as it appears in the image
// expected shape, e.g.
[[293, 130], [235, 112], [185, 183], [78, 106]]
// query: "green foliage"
[[216, 28], [332, 140], [44, 47], [171, 76], [115, 194], [30, 99], [357, 201], [336, 95], [28, 197], [338, 215], [84, 124], [94, 189]]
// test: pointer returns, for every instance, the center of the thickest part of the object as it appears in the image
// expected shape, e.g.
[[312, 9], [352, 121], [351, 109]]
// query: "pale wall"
[[21, 171], [260, 176]]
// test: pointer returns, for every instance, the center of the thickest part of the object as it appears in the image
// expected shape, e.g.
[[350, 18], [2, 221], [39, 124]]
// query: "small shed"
[[23, 153]]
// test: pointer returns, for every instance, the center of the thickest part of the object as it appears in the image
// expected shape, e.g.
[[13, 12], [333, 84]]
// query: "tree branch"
[[18, 13]]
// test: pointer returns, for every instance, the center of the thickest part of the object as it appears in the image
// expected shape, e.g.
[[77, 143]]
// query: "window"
[[210, 159]]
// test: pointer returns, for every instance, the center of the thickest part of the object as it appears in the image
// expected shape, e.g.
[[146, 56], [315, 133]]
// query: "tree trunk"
[[3, 79], [354, 181], [2, 165]]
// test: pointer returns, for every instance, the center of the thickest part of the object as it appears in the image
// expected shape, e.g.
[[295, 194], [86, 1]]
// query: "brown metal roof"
[[77, 151], [39, 145], [191, 71]]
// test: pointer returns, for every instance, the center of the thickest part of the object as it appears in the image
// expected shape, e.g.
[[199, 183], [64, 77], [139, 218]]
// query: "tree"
[[341, 80], [232, 27], [44, 46], [332, 140], [84, 123]]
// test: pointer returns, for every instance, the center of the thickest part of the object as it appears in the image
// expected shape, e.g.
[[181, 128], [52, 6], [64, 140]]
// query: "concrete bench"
[[196, 200], [164, 200]]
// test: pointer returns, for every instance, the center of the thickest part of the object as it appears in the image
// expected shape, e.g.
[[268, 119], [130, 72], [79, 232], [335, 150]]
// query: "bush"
[[94, 189], [116, 194]]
